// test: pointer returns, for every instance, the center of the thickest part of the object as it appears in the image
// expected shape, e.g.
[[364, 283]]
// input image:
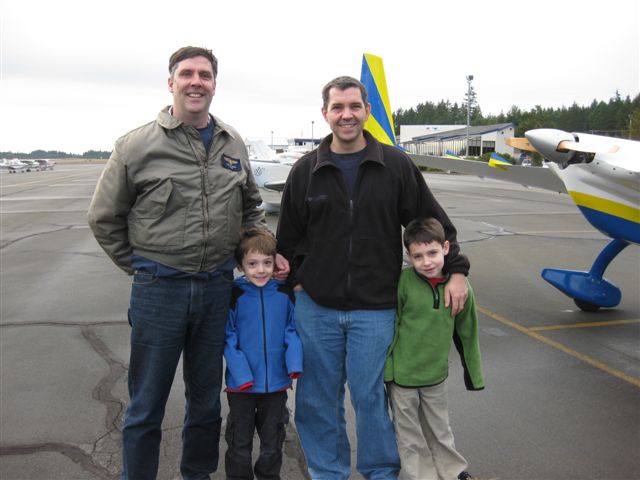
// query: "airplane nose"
[[546, 141]]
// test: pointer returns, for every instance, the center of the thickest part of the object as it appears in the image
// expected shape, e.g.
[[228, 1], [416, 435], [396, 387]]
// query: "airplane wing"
[[528, 176]]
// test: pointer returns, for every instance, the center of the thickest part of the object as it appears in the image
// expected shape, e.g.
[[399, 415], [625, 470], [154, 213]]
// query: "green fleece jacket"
[[419, 353]]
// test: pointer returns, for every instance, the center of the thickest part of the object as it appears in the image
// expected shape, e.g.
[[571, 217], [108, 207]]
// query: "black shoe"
[[465, 476]]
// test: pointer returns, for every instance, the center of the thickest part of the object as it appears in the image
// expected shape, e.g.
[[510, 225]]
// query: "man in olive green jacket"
[[162, 196], [168, 209]]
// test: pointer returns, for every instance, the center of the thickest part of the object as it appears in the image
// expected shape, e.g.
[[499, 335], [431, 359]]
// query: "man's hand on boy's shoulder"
[[282, 268], [456, 292]]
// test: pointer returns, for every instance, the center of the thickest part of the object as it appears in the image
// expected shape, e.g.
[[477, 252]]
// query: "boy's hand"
[[282, 268], [455, 293]]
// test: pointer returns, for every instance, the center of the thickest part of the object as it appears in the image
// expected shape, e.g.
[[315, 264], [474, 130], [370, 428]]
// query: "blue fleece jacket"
[[262, 346]]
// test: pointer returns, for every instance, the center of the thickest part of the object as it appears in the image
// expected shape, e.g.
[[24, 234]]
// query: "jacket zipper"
[[264, 343], [434, 290], [204, 196], [356, 188], [436, 296], [205, 201], [350, 244]]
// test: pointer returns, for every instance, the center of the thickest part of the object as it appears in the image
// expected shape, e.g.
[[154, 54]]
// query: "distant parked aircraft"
[[13, 166]]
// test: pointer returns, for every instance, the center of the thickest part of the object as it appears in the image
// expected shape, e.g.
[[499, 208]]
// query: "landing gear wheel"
[[586, 307]]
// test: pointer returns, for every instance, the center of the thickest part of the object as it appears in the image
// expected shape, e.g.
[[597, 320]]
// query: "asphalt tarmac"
[[563, 386]]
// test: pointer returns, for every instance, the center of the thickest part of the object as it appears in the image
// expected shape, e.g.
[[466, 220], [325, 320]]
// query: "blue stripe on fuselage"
[[612, 226]]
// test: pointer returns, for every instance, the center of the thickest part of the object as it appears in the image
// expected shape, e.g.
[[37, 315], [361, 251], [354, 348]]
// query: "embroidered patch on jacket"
[[231, 163]]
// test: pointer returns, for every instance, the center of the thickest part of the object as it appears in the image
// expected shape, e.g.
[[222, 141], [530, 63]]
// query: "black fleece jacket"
[[347, 253]]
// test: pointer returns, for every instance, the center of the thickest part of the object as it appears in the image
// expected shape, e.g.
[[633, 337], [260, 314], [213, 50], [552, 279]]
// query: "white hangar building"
[[440, 138]]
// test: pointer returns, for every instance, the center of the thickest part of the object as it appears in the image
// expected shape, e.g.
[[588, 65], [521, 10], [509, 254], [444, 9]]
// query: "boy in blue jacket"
[[263, 354]]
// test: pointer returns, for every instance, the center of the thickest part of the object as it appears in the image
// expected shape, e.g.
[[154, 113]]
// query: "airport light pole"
[[271, 138], [469, 78], [312, 144]]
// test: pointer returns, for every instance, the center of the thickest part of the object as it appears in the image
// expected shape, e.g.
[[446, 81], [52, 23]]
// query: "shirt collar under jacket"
[[371, 153], [168, 121]]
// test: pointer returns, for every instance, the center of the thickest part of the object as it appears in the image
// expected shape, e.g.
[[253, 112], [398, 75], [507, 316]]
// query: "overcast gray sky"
[[75, 75]]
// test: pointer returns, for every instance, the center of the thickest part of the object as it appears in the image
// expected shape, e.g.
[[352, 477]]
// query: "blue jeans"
[[169, 317], [344, 346]]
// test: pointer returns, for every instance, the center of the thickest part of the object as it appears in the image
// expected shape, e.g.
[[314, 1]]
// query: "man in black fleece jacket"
[[340, 225]]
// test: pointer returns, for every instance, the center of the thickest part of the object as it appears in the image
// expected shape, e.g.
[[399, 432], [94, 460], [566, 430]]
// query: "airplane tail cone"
[[584, 287]]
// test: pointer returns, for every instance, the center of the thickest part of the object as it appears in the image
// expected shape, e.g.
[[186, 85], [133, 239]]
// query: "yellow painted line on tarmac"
[[563, 348], [583, 325]]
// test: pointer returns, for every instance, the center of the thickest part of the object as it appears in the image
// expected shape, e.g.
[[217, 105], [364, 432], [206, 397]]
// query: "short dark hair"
[[423, 230], [257, 239], [190, 52], [342, 83]]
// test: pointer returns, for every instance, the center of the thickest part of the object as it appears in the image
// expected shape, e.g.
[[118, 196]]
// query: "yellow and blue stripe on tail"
[[380, 122]]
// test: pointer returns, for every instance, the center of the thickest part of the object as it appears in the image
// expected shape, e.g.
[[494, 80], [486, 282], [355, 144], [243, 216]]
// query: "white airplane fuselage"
[[270, 171], [607, 196], [606, 188], [266, 173]]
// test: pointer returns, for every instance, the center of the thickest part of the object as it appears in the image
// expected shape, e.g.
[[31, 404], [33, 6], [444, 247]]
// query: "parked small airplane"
[[27, 165], [46, 164], [600, 174], [13, 166], [32, 165], [270, 170]]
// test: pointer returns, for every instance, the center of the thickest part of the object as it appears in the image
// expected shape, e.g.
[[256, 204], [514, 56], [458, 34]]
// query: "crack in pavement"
[[102, 459], [102, 391], [73, 452]]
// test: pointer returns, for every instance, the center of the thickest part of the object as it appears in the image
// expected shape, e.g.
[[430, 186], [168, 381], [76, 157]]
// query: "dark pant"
[[265, 413], [170, 317]]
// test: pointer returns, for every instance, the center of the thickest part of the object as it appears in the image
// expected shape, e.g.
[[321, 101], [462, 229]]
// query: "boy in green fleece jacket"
[[417, 362]]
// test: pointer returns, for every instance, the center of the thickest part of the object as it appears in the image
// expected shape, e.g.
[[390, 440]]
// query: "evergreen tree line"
[[54, 154], [617, 118]]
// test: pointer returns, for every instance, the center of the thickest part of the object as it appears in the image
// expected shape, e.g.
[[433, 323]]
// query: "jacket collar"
[[372, 152], [168, 121], [443, 280], [246, 285]]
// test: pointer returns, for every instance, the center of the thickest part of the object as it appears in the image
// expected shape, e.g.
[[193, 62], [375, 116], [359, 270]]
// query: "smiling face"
[[257, 267], [428, 258], [346, 114], [193, 86]]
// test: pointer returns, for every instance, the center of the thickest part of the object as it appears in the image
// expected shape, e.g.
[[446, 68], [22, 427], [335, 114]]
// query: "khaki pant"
[[425, 440]]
